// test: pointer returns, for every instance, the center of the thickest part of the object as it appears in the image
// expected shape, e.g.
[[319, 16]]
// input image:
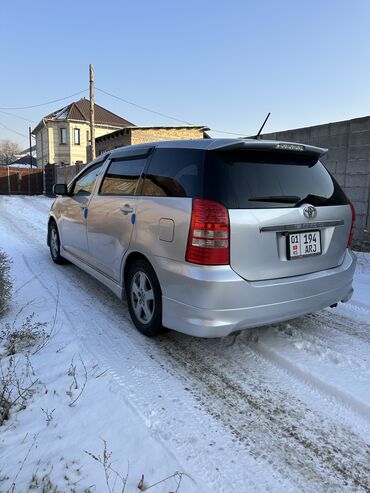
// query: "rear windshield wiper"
[[283, 199]]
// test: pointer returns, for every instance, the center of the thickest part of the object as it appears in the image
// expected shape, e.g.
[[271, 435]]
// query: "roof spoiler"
[[269, 145]]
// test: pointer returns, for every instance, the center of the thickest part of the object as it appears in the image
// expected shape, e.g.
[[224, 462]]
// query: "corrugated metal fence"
[[17, 181], [64, 174], [59, 174]]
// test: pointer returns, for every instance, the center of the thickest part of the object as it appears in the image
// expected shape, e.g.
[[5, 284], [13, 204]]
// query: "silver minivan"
[[208, 237]]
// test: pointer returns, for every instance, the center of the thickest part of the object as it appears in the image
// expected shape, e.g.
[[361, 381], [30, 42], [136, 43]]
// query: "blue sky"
[[224, 64]]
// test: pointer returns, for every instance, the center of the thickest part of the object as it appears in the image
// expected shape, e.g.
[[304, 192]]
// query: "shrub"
[[16, 338]]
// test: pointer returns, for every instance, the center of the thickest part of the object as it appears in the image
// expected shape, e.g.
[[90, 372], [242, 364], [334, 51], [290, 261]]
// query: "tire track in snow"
[[307, 377], [256, 415], [266, 419], [136, 387], [273, 412], [312, 335], [335, 322], [315, 336], [343, 324]]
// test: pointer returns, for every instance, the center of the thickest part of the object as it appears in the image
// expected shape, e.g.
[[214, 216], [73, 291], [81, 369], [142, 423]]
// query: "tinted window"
[[258, 180], [122, 177], [85, 183], [174, 173]]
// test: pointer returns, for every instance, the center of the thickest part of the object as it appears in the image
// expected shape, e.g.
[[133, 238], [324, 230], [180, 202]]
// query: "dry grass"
[[18, 341], [75, 385], [15, 387], [30, 334], [43, 484], [116, 481], [113, 478]]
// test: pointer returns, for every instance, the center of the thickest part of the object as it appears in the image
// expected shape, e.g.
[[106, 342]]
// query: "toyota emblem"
[[309, 211]]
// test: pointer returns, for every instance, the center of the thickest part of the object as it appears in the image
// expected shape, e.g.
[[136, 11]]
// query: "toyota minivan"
[[208, 237]]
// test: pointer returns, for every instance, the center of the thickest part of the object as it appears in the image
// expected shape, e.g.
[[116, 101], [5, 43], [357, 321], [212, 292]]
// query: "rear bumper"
[[215, 301]]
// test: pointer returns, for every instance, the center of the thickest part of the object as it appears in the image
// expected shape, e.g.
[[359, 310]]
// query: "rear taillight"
[[350, 237], [209, 234]]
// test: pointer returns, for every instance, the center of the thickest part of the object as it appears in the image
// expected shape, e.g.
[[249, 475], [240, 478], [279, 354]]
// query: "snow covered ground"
[[280, 408]]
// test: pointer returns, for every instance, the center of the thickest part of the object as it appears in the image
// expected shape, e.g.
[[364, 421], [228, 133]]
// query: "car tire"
[[144, 298], [54, 244]]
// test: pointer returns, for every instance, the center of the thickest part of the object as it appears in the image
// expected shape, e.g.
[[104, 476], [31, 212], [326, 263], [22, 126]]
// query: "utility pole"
[[29, 133], [92, 113], [30, 168]]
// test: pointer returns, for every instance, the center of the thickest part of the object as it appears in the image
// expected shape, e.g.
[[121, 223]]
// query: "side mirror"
[[60, 189]]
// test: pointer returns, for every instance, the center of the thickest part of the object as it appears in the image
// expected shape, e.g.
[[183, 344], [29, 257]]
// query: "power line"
[[143, 107], [228, 133], [15, 131], [113, 96], [43, 104], [18, 116], [162, 114]]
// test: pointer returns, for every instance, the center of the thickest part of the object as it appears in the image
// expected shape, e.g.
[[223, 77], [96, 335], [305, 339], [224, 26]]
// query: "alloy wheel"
[[142, 297], [54, 242]]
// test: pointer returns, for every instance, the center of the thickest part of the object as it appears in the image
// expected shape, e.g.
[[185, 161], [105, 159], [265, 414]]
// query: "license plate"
[[303, 244]]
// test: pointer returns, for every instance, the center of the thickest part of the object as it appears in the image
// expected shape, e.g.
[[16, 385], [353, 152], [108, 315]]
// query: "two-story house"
[[63, 137]]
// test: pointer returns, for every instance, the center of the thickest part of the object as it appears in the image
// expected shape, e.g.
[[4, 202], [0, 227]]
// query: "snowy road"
[[282, 408]]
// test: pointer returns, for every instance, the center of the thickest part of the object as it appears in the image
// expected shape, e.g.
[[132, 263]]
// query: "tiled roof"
[[80, 110]]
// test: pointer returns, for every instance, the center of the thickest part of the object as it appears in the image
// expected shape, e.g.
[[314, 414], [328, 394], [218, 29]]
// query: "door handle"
[[127, 209]]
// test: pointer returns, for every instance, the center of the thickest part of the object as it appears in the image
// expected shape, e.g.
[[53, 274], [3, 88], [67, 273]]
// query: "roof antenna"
[[263, 124]]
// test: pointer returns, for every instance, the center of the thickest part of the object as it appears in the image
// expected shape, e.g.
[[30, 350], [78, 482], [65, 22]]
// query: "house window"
[[63, 135], [76, 134], [87, 137]]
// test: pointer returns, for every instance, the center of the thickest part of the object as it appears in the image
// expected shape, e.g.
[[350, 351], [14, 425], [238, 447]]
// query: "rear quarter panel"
[[147, 234]]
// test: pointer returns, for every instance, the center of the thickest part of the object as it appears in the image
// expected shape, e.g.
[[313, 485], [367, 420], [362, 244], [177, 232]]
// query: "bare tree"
[[8, 151]]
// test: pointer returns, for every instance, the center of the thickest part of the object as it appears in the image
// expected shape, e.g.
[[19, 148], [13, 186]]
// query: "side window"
[[76, 134], [122, 177], [63, 135], [85, 183], [174, 173]]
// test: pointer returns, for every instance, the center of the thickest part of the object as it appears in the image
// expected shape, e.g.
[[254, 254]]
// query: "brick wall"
[[112, 141], [131, 136], [348, 160], [141, 135]]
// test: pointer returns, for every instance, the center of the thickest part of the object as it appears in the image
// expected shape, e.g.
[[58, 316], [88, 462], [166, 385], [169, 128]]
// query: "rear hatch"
[[288, 216]]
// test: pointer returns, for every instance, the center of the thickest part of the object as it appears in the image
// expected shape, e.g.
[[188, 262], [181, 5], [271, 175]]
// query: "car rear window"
[[264, 180]]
